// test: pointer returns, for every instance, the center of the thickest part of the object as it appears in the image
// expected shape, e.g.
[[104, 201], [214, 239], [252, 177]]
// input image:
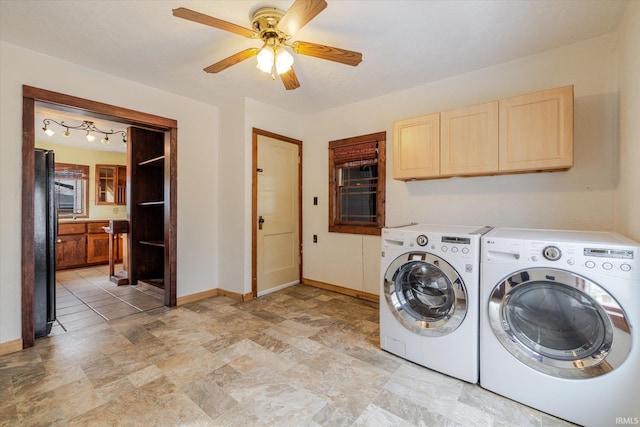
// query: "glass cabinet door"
[[111, 184]]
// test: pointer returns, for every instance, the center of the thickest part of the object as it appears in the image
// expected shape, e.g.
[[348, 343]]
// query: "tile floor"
[[298, 357], [86, 297]]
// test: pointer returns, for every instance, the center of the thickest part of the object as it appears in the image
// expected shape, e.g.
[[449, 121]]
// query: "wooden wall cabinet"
[[111, 184], [527, 133], [416, 147], [536, 131], [469, 140]]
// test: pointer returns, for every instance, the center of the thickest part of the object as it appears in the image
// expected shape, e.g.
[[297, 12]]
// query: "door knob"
[[260, 222]]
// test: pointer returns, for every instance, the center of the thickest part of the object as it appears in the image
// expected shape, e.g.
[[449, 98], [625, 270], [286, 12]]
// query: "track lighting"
[[87, 126]]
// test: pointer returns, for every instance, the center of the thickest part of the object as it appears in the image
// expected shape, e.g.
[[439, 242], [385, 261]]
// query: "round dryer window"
[[559, 323], [425, 294]]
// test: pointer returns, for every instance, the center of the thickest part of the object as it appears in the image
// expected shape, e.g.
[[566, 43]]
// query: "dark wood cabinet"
[[148, 212], [70, 246], [97, 243], [84, 243]]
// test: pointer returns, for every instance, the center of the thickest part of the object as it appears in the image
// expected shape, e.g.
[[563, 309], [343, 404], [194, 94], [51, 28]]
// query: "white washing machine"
[[559, 325], [429, 296]]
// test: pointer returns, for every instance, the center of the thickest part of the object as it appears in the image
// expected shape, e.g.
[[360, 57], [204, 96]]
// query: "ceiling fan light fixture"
[[284, 60], [266, 59]]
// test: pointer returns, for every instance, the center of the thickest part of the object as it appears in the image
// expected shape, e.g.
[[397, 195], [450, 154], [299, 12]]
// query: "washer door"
[[559, 323], [425, 294]]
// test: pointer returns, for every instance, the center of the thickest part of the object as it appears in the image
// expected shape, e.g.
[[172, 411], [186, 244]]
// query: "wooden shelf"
[[158, 243], [158, 203], [156, 161]]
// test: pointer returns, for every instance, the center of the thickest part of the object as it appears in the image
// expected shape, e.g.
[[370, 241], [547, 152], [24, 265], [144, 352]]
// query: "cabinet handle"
[[59, 240]]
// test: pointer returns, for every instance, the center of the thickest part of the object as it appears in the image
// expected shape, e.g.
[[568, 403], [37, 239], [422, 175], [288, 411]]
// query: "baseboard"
[[235, 296], [197, 296], [342, 290], [10, 346], [187, 299], [249, 296]]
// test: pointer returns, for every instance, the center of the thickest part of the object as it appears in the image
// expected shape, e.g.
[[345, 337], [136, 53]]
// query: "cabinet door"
[[97, 248], [536, 131], [416, 147], [70, 250], [469, 140], [106, 179]]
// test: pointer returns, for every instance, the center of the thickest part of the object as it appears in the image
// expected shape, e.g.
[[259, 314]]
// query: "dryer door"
[[425, 294], [559, 323]]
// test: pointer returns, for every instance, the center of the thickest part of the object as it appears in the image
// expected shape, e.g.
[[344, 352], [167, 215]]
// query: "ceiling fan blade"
[[348, 57], [300, 12], [201, 18], [290, 80], [232, 60]]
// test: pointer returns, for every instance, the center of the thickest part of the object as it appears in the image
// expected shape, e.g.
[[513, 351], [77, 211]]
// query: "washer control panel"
[[621, 262]]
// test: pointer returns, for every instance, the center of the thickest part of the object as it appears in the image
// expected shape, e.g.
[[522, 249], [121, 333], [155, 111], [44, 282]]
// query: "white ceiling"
[[404, 43]]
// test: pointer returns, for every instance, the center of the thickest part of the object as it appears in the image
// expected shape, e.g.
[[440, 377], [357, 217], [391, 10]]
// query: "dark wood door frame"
[[31, 95], [254, 202]]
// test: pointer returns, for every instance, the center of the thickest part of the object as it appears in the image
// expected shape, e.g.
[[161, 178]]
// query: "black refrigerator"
[[45, 231]]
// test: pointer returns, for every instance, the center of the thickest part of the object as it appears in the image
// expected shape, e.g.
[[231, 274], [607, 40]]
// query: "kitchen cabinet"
[[111, 184], [84, 243], [97, 243], [70, 246], [416, 147], [536, 131], [469, 140], [526, 133]]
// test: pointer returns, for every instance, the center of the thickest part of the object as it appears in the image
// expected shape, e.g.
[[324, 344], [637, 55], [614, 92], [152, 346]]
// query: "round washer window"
[[559, 323], [425, 294]]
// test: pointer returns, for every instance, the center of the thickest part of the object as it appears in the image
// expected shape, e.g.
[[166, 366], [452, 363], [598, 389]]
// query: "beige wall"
[[582, 198], [91, 158], [628, 195]]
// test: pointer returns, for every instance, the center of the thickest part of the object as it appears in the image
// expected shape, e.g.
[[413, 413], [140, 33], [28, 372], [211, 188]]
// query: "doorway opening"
[[167, 128], [276, 212]]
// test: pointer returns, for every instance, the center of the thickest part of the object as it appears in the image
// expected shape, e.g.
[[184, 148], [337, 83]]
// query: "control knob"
[[552, 253]]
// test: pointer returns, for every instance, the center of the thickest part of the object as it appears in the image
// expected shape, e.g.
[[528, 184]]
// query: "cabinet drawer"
[[96, 227], [71, 228]]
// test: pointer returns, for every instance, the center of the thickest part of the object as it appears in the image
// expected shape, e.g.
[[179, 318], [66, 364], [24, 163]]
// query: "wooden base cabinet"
[[84, 243], [71, 247]]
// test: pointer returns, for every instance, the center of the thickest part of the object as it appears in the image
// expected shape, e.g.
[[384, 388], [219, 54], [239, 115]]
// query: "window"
[[71, 187], [356, 184]]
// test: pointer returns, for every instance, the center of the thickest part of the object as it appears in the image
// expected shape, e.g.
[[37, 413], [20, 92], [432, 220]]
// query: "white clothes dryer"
[[429, 296], [559, 325]]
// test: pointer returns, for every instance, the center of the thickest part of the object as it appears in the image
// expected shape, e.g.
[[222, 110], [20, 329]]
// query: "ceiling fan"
[[275, 28]]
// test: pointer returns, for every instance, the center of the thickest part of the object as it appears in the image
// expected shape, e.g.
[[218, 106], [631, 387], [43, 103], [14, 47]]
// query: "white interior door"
[[278, 215]]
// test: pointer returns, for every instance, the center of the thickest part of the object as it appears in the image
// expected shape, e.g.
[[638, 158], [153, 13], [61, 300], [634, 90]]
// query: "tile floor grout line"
[[82, 301]]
